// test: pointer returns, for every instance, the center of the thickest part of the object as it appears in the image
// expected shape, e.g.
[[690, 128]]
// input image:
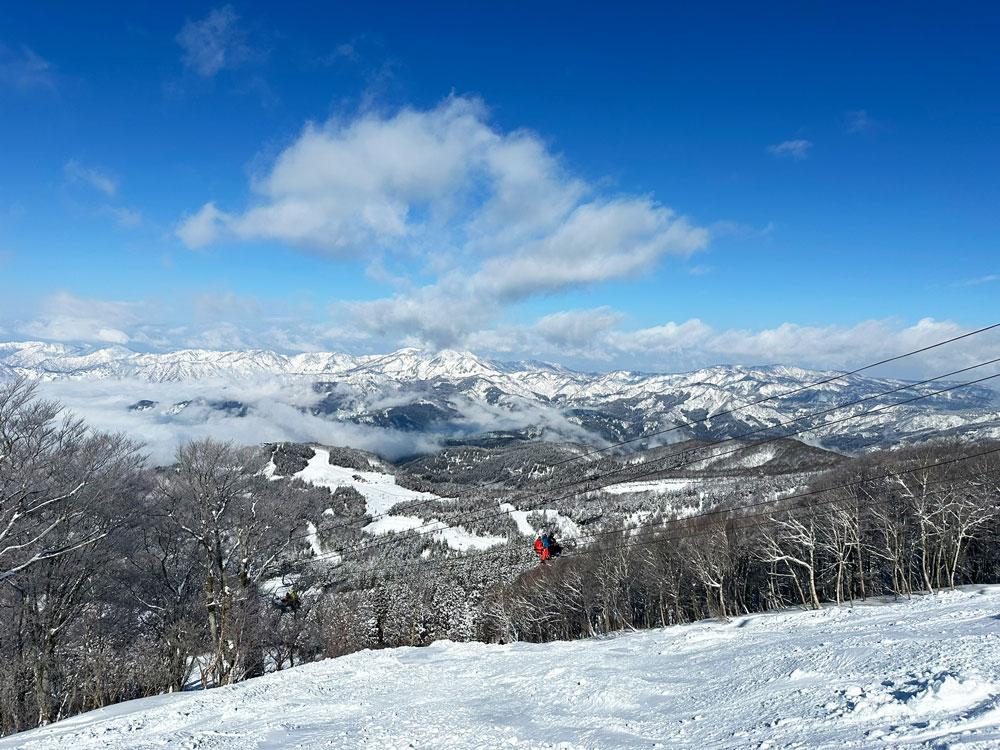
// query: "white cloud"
[[576, 329], [797, 149], [584, 338], [598, 241], [496, 216], [214, 43], [65, 328], [203, 227], [66, 317], [344, 188], [439, 316], [693, 344], [98, 179], [669, 338], [433, 177], [345, 51], [274, 416], [25, 70]]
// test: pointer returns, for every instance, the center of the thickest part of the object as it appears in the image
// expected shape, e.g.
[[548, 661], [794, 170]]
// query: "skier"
[[555, 549], [538, 546], [545, 547], [289, 602]]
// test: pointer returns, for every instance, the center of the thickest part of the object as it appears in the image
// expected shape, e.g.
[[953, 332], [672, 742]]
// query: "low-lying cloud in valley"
[[273, 415]]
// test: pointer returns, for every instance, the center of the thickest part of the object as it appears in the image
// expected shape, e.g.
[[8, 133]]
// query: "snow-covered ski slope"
[[381, 493], [379, 490], [920, 673]]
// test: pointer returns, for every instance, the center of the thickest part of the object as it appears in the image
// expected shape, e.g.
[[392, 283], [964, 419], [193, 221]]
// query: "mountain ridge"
[[458, 396]]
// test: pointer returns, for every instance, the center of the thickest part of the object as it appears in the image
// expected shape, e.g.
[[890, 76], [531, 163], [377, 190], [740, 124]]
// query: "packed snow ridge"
[[919, 673]]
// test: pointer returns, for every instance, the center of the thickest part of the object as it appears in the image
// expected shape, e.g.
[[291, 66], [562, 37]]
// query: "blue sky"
[[656, 187]]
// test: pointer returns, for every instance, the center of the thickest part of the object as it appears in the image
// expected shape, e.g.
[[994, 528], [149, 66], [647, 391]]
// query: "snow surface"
[[920, 673], [553, 519], [659, 486], [380, 491], [455, 537], [520, 518]]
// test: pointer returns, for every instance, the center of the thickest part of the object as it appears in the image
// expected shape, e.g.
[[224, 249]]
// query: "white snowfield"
[[455, 537], [551, 520], [658, 486], [381, 492], [920, 673]]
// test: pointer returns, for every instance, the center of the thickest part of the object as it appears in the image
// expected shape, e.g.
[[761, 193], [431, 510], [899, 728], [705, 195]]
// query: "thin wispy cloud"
[[980, 280], [124, 217], [24, 70], [97, 178], [796, 149], [344, 51], [739, 230], [858, 121], [214, 43]]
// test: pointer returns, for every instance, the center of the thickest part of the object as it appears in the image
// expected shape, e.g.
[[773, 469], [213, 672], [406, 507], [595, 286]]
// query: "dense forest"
[[121, 580]]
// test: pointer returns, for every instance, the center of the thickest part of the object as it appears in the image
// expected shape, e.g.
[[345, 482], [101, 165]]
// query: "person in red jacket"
[[539, 547]]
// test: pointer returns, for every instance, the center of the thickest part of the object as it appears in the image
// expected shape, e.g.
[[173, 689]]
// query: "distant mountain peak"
[[457, 395]]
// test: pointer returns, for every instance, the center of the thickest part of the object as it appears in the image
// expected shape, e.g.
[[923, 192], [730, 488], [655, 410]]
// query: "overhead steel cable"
[[486, 514], [692, 423], [735, 514]]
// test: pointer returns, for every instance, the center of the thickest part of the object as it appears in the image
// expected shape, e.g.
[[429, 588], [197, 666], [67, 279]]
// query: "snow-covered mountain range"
[[459, 397]]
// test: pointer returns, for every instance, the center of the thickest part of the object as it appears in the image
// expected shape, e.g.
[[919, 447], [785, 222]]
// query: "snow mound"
[[923, 695]]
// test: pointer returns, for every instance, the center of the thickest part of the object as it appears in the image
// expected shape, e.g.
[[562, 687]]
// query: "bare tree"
[[240, 524], [51, 472], [792, 540]]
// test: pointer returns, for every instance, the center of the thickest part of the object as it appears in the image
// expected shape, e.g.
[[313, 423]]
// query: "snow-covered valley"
[[918, 673]]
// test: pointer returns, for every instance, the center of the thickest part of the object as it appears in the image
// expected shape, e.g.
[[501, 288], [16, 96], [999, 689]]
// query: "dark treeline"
[[119, 580]]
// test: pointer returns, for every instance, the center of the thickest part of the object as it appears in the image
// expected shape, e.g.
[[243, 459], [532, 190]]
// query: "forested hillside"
[[123, 579]]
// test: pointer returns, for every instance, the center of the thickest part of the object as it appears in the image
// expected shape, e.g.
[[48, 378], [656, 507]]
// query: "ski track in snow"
[[920, 673]]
